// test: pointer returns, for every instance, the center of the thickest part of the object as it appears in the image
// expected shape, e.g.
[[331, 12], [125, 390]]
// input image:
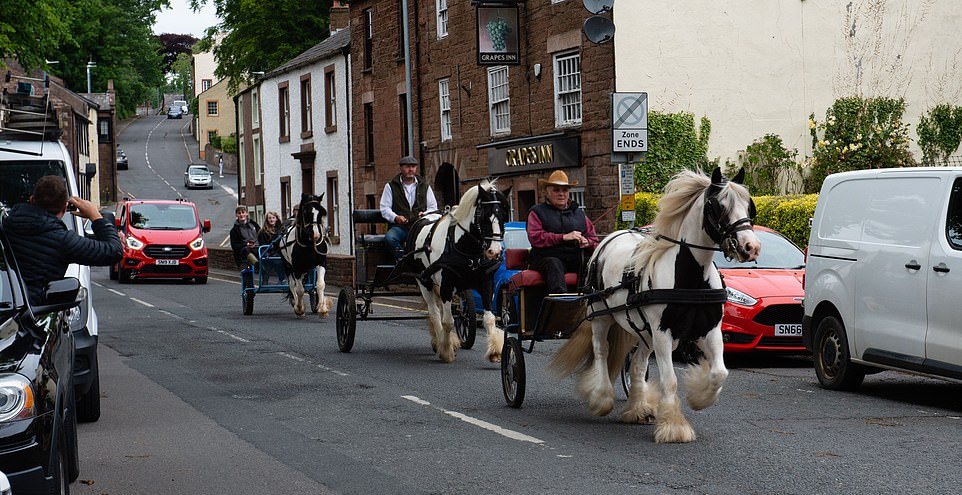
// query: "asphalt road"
[[201, 399]]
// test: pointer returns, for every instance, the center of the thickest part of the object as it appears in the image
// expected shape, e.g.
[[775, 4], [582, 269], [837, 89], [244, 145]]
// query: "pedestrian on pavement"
[[270, 234], [220, 165], [41, 243], [243, 238], [405, 199]]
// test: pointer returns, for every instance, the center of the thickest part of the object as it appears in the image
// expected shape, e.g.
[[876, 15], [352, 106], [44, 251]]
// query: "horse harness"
[[307, 243]]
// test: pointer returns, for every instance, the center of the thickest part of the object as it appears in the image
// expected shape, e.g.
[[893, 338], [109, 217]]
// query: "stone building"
[[470, 122]]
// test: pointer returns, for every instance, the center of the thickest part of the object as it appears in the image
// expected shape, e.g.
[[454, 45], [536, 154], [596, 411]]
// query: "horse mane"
[[681, 193], [462, 211]]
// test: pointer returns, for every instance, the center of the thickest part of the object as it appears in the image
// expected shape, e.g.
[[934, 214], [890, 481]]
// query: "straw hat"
[[557, 178]]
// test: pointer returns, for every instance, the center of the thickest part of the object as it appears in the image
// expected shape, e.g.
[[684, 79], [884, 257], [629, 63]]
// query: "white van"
[[22, 163], [883, 277]]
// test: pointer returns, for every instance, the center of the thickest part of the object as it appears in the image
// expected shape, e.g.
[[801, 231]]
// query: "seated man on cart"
[[560, 233], [243, 238], [405, 199]]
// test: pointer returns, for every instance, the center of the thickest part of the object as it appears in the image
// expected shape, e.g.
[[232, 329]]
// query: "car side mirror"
[[206, 225], [59, 295], [88, 229]]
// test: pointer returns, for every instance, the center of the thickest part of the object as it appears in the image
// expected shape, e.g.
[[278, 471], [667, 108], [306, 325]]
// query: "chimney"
[[340, 17]]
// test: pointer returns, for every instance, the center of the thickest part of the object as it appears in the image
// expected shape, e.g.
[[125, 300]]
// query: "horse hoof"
[[494, 357], [674, 433], [631, 416]]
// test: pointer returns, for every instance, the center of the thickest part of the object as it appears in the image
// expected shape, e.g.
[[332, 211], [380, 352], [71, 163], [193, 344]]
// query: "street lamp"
[[89, 65]]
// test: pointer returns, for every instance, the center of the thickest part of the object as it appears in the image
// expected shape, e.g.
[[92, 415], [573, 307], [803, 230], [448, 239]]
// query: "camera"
[[72, 208]]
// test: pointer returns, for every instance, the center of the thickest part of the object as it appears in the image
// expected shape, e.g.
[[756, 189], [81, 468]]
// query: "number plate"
[[788, 330], [168, 262]]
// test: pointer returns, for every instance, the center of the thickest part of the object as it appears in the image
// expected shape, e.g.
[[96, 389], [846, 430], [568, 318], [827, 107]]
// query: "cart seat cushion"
[[516, 258], [531, 278], [368, 216], [371, 239]]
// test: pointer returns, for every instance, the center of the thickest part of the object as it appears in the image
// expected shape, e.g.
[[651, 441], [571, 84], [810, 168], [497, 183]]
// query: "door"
[[893, 262], [943, 341]]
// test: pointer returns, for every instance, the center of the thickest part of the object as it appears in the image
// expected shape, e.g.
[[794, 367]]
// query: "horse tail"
[[575, 355]]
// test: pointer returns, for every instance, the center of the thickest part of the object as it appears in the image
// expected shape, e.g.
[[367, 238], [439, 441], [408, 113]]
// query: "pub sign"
[[498, 35], [534, 154]]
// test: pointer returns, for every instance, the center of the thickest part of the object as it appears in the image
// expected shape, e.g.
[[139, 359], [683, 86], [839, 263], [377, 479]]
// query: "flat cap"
[[408, 160]]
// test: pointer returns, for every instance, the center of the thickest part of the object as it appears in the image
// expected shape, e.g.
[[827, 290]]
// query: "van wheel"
[[833, 363], [88, 405], [113, 272], [123, 276], [200, 280]]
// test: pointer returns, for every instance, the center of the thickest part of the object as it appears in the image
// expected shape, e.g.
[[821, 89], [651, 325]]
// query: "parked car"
[[122, 163], [515, 237], [162, 239], [198, 175], [175, 112], [38, 419], [884, 275], [22, 164], [182, 105]]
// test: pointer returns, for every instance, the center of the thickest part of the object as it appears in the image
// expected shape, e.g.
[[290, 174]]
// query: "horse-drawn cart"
[[254, 280], [378, 276]]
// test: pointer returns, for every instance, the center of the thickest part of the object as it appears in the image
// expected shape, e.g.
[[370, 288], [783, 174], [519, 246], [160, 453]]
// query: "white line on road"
[[331, 370], [242, 339], [147, 159], [134, 299], [295, 358], [224, 280], [514, 435], [172, 315]]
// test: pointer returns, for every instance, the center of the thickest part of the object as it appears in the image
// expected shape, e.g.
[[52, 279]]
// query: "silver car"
[[198, 176]]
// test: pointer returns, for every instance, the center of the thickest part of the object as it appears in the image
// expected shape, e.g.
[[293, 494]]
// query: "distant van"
[[180, 105], [883, 277]]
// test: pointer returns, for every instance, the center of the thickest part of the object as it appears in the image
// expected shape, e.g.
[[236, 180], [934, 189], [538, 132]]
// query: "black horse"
[[303, 248]]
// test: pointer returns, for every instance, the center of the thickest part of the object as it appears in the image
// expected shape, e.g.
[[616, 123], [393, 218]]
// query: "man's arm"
[[236, 243], [432, 201], [104, 250], [537, 236], [386, 203], [590, 233]]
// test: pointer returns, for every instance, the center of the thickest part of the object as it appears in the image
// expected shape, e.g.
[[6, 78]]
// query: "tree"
[[21, 26], [173, 45], [264, 34], [181, 80]]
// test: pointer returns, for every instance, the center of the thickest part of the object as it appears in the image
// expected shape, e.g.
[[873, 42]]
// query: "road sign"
[[626, 178], [629, 122]]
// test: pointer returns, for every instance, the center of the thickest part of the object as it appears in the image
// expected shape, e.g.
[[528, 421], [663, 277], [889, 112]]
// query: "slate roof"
[[332, 45]]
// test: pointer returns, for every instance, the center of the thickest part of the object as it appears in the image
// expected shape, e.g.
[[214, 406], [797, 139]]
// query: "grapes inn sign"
[[498, 32], [524, 155]]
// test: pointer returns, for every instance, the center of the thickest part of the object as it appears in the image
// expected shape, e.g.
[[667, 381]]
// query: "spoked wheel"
[[465, 318], [512, 372], [314, 300], [248, 302], [247, 292], [346, 319]]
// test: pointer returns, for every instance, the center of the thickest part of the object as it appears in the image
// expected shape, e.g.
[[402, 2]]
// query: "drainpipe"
[[407, 75], [346, 52], [417, 60]]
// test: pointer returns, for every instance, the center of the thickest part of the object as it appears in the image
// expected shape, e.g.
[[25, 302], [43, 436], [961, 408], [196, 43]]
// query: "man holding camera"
[[41, 243]]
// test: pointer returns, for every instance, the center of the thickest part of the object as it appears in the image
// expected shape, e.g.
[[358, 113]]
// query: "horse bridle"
[[723, 233], [483, 240], [297, 228]]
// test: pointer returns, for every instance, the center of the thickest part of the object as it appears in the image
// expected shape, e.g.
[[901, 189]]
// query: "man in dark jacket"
[[559, 232], [41, 243], [405, 199], [243, 238]]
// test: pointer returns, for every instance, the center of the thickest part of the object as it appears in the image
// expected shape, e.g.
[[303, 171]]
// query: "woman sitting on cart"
[[560, 233], [269, 234]]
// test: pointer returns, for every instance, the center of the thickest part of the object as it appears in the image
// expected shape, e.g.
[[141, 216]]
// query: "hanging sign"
[[498, 35]]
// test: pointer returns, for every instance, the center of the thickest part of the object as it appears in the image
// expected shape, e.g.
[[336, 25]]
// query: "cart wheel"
[[314, 300], [512, 372], [346, 319], [465, 318], [247, 292], [248, 298]]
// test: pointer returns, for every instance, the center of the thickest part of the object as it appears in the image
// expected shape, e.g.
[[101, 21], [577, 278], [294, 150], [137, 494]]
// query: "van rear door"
[[943, 341]]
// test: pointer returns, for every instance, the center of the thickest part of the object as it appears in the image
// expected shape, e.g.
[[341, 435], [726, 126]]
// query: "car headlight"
[[738, 297], [77, 315], [134, 243], [16, 398], [197, 244]]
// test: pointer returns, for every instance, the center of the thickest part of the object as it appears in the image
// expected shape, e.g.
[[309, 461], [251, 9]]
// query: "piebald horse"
[[630, 271], [304, 247]]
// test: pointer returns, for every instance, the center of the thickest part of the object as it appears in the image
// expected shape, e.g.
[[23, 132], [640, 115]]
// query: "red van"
[[162, 239]]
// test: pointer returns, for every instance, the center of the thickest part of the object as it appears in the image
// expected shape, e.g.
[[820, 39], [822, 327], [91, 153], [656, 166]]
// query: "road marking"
[[118, 292], [242, 339], [224, 280], [295, 358], [226, 240], [331, 370], [147, 159], [134, 299], [514, 435], [400, 307], [172, 315]]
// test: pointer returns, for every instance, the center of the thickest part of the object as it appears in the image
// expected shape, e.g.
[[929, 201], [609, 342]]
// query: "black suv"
[[38, 422]]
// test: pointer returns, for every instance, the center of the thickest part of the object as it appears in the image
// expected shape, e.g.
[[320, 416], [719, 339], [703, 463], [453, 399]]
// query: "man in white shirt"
[[405, 199]]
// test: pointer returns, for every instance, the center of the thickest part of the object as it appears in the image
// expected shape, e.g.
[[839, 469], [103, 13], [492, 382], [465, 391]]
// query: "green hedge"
[[787, 214]]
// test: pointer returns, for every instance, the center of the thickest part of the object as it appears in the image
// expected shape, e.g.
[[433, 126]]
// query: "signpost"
[[626, 182], [629, 137]]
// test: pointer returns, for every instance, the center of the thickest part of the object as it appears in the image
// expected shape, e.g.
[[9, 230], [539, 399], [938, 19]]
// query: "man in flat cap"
[[558, 230], [405, 199]]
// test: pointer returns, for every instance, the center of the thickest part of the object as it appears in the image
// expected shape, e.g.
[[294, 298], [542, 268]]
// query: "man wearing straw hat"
[[559, 232]]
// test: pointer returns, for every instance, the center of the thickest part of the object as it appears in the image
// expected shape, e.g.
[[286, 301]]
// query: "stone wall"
[[230, 159]]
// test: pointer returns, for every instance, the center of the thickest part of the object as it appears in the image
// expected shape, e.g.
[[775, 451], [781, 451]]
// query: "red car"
[[162, 239], [764, 308]]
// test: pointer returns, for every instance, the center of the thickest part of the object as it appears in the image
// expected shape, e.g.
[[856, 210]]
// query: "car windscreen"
[[162, 217], [777, 252], [198, 171], [18, 178], [516, 238]]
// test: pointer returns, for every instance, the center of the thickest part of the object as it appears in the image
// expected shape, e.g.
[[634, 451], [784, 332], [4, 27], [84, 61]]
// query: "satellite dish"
[[599, 29], [598, 6]]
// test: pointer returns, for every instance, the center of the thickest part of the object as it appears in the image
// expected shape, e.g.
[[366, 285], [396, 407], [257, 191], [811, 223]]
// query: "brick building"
[[513, 122]]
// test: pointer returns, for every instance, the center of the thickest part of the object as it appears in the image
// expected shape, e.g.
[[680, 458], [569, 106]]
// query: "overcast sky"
[[179, 19]]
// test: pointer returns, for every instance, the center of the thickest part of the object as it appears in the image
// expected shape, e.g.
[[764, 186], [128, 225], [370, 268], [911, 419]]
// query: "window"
[[258, 164], [403, 105], [953, 223], [499, 104], [210, 136], [212, 108], [577, 195], [333, 227], [205, 84], [285, 196], [255, 109], [444, 96], [104, 132], [567, 89], [442, 18], [368, 38], [306, 119], [369, 134], [241, 164], [284, 109], [330, 100]]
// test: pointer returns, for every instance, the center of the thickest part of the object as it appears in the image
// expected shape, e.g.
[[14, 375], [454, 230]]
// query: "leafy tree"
[[674, 143], [32, 32], [174, 45], [180, 76], [262, 35], [940, 132]]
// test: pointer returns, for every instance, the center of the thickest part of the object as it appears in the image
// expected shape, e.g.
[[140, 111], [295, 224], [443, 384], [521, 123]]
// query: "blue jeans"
[[394, 238]]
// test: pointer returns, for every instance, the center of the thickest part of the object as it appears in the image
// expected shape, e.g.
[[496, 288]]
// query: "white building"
[[755, 68], [204, 64], [299, 118]]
